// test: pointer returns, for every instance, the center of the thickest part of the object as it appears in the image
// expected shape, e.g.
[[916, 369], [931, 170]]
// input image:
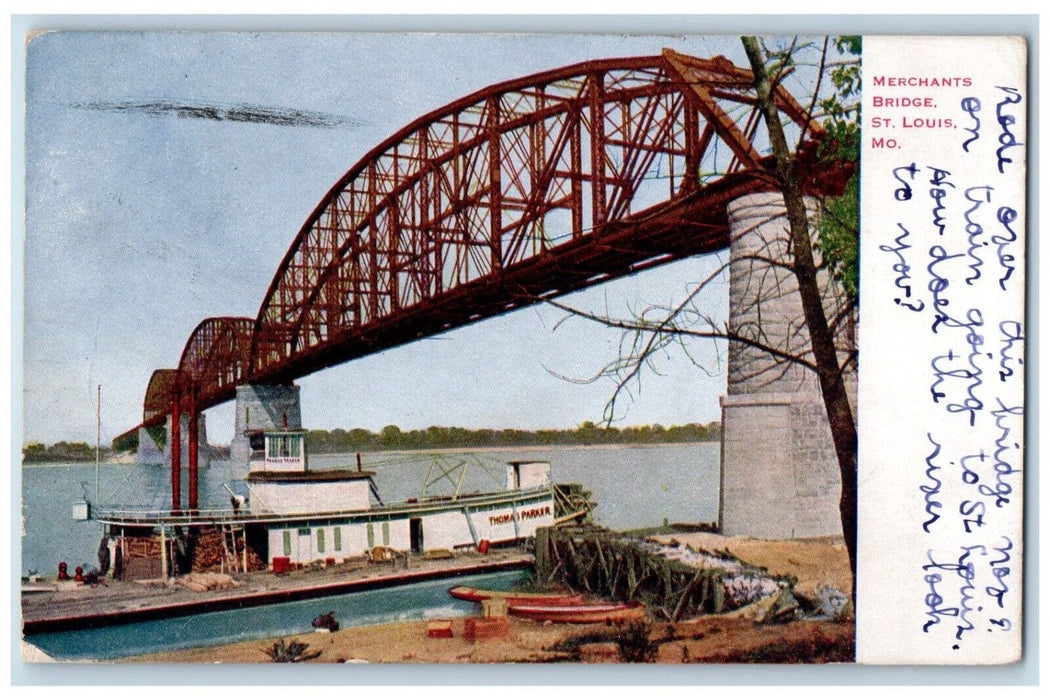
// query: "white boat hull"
[[426, 526]]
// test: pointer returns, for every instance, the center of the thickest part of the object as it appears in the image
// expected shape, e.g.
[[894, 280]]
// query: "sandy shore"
[[717, 638]]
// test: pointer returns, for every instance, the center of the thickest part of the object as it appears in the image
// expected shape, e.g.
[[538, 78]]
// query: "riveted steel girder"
[[520, 191]]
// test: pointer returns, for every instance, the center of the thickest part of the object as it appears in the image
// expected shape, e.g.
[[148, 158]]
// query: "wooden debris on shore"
[[494, 607], [607, 564], [202, 581], [572, 503]]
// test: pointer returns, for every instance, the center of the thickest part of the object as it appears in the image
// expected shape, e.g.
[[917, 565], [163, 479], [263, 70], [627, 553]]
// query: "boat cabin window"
[[283, 445], [255, 441]]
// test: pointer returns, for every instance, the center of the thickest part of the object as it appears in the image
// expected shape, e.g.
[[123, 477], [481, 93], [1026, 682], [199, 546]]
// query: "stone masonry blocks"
[[780, 475], [259, 407]]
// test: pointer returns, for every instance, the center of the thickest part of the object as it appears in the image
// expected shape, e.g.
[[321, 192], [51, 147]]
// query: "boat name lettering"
[[523, 515]]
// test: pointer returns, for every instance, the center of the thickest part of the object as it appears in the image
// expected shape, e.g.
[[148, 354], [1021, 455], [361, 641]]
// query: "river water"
[[417, 601], [634, 487]]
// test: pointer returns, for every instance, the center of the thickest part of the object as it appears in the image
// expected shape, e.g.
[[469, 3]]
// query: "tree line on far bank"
[[394, 438], [587, 433], [62, 452]]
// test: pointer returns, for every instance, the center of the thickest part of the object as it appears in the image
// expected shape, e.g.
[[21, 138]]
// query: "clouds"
[[255, 114]]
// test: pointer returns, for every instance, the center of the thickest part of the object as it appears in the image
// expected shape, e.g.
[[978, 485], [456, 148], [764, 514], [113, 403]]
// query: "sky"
[[167, 174]]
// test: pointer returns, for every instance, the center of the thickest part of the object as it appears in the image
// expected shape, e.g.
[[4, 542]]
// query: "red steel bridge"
[[519, 192]]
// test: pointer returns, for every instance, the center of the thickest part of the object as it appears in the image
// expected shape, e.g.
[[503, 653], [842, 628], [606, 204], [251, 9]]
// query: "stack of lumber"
[[141, 548], [208, 553], [432, 554], [201, 582]]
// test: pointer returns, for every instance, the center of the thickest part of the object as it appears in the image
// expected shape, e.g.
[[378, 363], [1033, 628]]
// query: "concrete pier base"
[[148, 452], [259, 407], [780, 475]]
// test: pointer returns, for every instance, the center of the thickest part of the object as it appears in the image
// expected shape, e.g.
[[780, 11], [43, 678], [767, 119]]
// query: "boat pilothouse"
[[294, 515], [280, 482]]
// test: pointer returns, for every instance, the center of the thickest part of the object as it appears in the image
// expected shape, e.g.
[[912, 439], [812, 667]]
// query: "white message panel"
[[942, 342]]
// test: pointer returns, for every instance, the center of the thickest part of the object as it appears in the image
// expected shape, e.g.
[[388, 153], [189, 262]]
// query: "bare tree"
[[820, 342], [821, 334]]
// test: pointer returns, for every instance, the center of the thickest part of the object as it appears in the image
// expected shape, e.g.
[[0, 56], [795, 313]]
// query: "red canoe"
[[608, 612], [476, 595]]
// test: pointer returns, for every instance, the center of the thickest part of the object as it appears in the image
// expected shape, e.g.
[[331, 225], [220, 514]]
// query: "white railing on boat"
[[154, 517]]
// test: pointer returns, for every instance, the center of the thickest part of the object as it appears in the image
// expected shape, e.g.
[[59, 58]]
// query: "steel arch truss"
[[519, 191], [216, 357], [498, 181], [160, 392]]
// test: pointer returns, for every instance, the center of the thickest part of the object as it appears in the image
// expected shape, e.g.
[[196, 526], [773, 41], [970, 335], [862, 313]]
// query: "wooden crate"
[[439, 629], [494, 607], [477, 629]]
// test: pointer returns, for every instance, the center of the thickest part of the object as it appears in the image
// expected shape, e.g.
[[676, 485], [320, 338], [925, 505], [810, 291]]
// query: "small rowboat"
[[476, 595], [581, 614]]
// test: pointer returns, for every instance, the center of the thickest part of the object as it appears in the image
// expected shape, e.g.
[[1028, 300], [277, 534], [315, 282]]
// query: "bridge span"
[[519, 192]]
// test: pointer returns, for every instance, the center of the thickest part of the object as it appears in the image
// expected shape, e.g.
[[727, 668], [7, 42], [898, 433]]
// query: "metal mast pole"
[[98, 436]]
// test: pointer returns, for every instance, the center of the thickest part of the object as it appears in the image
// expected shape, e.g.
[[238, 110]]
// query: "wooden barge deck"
[[117, 602]]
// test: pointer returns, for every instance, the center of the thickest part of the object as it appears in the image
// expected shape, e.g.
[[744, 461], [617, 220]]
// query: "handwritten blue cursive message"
[[952, 267]]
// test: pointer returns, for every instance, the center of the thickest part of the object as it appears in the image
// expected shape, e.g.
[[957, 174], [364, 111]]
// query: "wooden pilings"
[[602, 562]]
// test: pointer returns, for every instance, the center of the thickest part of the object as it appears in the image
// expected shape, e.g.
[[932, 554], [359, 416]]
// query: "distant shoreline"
[[522, 448], [128, 459]]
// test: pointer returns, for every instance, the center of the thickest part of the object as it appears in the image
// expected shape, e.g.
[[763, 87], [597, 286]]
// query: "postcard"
[[535, 348]]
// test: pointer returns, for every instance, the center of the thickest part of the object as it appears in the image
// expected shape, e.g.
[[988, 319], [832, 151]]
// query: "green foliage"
[[392, 437], [34, 452], [842, 108], [289, 653], [839, 236], [59, 452], [839, 226], [159, 433], [128, 442]]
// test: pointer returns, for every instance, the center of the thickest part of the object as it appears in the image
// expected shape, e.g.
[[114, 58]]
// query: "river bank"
[[716, 639], [732, 637]]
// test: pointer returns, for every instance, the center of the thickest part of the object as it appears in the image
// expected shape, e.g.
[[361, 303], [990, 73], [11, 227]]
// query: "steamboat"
[[293, 516]]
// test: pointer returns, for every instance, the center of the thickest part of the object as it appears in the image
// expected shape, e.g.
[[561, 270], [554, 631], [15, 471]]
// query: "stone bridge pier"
[[260, 407], [780, 476], [203, 451], [149, 452]]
